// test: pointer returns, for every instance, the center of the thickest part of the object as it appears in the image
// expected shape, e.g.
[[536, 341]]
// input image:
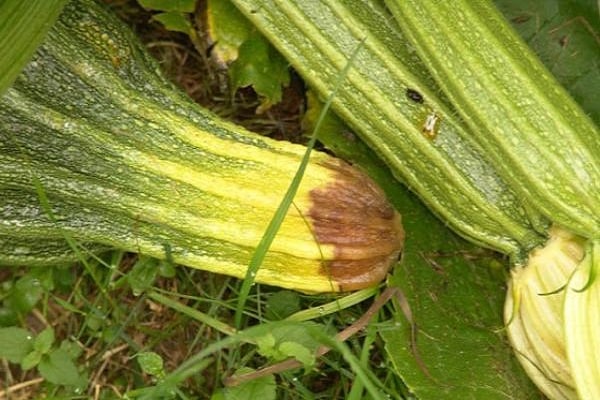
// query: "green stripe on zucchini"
[[127, 161], [542, 143]]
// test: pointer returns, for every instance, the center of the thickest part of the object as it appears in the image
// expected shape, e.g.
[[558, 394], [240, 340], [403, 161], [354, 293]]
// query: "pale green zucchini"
[[542, 143], [128, 161], [548, 150], [444, 169]]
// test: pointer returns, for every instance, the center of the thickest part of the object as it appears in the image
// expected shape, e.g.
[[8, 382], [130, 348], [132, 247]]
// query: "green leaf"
[[331, 124], [31, 360], [8, 316], [300, 352], [28, 290], [253, 61], [282, 304], [71, 348], [174, 21], [263, 388], [227, 28], [15, 343], [57, 367], [166, 268], [143, 274], [289, 340], [64, 278], [566, 37], [187, 6], [151, 363], [259, 65], [455, 292], [44, 340], [23, 26]]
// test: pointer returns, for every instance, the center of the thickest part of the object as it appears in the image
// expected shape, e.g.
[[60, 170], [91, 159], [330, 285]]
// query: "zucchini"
[[539, 139], [548, 150], [399, 114], [97, 146]]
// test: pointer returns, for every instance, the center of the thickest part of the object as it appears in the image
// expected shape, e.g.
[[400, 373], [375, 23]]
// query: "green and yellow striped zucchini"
[[539, 139], [399, 114], [125, 160]]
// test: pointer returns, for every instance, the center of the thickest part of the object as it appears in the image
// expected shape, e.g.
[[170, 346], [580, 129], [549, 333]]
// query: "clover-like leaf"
[[58, 367], [151, 363], [44, 340], [15, 343]]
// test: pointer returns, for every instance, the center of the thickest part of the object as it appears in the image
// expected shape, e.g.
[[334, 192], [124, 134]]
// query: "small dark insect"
[[414, 95]]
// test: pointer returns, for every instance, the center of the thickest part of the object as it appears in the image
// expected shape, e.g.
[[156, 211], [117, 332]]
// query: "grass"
[[178, 318], [135, 327]]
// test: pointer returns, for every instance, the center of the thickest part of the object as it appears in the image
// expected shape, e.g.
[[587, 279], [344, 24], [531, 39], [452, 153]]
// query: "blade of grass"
[[334, 306], [23, 26], [273, 227], [357, 391], [191, 312], [363, 375]]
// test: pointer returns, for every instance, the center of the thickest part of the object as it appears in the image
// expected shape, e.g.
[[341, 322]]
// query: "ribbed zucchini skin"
[[447, 171], [42, 251], [127, 161], [543, 144]]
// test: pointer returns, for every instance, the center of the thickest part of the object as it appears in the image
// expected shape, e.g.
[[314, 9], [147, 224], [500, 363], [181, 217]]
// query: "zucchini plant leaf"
[[254, 61], [259, 65], [184, 6], [566, 37], [23, 26], [227, 29], [455, 292], [174, 21]]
